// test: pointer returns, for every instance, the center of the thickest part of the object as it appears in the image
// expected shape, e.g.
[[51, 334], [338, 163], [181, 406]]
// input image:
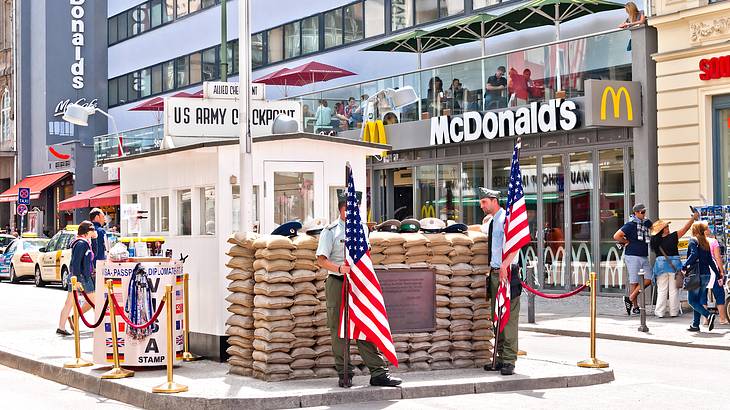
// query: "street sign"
[[22, 209], [24, 196], [230, 90]]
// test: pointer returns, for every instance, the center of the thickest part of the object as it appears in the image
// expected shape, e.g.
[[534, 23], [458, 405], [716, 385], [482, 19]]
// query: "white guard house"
[[192, 195]]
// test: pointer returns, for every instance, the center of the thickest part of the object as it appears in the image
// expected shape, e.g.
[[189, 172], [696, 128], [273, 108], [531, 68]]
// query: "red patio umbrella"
[[153, 104], [271, 78], [311, 72]]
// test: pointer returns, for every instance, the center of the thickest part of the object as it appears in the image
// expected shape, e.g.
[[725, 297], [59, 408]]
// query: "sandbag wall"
[[278, 324]]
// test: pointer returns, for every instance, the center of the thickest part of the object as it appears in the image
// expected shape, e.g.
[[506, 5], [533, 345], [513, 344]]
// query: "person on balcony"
[[496, 87]]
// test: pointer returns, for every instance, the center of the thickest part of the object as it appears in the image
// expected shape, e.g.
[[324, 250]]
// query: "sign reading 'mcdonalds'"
[[554, 115]]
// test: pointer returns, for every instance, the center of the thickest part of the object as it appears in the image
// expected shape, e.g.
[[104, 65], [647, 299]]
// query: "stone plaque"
[[410, 299]]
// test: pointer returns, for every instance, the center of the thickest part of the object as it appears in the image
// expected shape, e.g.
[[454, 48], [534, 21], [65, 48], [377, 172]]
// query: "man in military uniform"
[[499, 269], [331, 256]]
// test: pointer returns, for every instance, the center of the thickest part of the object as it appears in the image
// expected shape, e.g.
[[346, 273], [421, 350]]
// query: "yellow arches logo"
[[616, 99]]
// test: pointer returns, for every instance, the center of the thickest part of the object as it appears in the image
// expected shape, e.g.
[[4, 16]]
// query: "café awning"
[[104, 195], [36, 183]]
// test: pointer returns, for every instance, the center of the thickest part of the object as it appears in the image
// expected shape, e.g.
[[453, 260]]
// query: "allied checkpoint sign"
[[151, 350], [196, 117]]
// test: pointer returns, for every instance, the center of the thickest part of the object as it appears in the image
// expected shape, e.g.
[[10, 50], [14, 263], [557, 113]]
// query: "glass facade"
[[721, 140]]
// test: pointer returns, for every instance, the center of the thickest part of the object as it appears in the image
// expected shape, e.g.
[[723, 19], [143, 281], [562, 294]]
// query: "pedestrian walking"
[[717, 257], [98, 244], [331, 256], [699, 257], [635, 235], [667, 264], [82, 257]]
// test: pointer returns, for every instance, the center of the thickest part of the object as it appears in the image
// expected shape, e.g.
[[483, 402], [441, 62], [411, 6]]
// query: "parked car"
[[19, 259], [54, 259], [5, 240]]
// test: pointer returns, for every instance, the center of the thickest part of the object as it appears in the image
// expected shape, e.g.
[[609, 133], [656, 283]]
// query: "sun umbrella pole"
[[418, 51], [557, 48]]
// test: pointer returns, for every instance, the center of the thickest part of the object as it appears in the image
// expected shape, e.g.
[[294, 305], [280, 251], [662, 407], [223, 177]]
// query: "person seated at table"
[[456, 96], [434, 96], [353, 112], [323, 116], [496, 86]]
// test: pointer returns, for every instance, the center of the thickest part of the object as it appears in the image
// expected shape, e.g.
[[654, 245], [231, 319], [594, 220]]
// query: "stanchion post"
[[530, 296], [187, 355], [170, 386], [593, 363], [78, 361], [116, 372], [642, 327]]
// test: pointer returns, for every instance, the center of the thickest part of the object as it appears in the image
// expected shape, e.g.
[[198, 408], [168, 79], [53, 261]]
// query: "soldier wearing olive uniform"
[[331, 256]]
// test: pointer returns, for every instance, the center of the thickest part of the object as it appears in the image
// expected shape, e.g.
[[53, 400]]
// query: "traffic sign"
[[22, 209], [24, 196]]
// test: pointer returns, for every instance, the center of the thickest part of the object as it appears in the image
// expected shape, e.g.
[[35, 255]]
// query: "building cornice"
[[691, 52]]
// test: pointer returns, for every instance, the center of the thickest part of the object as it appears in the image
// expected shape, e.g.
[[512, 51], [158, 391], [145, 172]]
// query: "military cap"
[[391, 225], [288, 229], [342, 197], [314, 226], [432, 225], [488, 193], [410, 225], [456, 228]]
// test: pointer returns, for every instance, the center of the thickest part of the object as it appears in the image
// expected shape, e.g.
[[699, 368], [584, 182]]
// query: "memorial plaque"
[[410, 299]]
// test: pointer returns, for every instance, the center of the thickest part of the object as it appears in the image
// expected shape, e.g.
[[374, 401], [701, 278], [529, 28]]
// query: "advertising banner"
[[152, 349]]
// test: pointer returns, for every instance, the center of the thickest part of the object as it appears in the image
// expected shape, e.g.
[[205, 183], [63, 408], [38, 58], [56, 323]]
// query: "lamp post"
[[245, 158], [79, 115]]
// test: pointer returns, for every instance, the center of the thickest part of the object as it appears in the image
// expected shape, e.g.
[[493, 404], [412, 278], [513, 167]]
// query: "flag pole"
[[346, 381], [496, 339]]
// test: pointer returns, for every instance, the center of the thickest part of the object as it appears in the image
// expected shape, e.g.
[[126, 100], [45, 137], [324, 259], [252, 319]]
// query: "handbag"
[[678, 275], [691, 280]]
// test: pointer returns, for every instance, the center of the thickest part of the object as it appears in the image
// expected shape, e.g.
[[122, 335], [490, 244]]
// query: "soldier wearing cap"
[[499, 269], [331, 256]]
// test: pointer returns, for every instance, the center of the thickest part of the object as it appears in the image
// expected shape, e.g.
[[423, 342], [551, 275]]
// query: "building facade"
[[7, 106], [693, 102]]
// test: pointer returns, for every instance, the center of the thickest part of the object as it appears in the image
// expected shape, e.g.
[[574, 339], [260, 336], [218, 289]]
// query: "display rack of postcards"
[[718, 219]]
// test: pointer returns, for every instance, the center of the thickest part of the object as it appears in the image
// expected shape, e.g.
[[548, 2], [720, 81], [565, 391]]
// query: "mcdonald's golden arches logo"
[[612, 103], [616, 100]]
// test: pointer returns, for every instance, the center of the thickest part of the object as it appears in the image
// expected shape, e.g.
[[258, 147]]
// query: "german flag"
[[179, 279], [110, 357], [178, 354], [116, 282]]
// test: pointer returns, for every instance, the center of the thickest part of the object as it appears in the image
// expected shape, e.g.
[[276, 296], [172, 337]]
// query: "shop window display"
[[449, 201], [581, 201], [293, 196], [472, 177], [426, 191], [612, 273]]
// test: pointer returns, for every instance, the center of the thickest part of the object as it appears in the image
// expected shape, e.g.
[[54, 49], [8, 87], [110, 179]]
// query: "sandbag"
[[480, 248], [377, 258], [414, 347], [239, 262], [386, 238], [480, 260], [241, 251], [420, 366], [394, 250], [241, 371], [307, 332], [243, 299], [245, 286], [461, 314], [303, 353], [443, 289], [321, 274], [437, 239], [483, 334], [303, 241], [240, 342], [273, 266], [418, 251], [273, 337], [273, 242], [466, 335], [302, 275], [240, 352], [441, 249], [394, 259], [305, 264], [307, 300], [271, 314], [460, 291], [459, 302], [441, 260], [302, 364], [305, 288], [443, 312], [458, 250], [262, 275], [303, 342], [304, 321], [267, 347], [268, 369], [420, 356], [240, 310], [322, 372], [442, 301], [413, 239], [275, 325], [460, 325], [484, 313], [240, 332], [396, 266], [244, 239], [274, 289], [461, 269], [481, 269], [441, 364], [320, 319], [478, 281], [300, 310], [459, 239], [325, 361], [441, 334], [275, 254], [460, 281], [419, 337], [272, 358], [443, 323], [401, 346], [442, 279], [479, 293], [240, 362], [240, 274], [480, 324], [376, 249], [321, 351], [461, 259], [462, 345], [477, 236], [415, 260], [319, 284], [245, 322], [278, 302], [304, 254], [440, 346]]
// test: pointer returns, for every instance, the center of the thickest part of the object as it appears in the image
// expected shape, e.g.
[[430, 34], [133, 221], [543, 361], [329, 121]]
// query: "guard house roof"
[[377, 148]]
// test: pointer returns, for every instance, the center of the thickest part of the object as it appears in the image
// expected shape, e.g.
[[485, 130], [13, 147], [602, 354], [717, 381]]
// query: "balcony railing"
[[134, 141], [604, 56]]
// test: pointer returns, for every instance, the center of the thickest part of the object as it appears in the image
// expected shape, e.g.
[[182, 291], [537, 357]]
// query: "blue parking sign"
[[24, 196]]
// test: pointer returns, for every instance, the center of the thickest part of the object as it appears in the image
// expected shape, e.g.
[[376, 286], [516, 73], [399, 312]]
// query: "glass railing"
[[530, 74], [136, 141]]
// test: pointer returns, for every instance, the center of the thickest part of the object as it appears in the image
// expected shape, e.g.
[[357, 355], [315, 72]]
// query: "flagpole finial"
[[518, 144]]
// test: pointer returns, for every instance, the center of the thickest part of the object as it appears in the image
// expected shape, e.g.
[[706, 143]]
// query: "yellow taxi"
[[54, 260], [19, 258]]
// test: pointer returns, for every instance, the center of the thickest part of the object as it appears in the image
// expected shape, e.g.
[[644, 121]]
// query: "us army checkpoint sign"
[[152, 350]]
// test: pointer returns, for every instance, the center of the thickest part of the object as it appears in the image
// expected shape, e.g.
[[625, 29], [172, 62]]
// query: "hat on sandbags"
[[410, 225], [314, 226], [456, 228], [391, 225], [432, 225], [488, 193], [288, 229]]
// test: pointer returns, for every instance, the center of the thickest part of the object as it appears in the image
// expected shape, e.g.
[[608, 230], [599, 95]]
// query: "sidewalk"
[[571, 317], [27, 343]]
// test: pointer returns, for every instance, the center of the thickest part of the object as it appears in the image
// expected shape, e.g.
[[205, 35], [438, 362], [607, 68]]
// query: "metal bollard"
[[530, 297], [642, 308], [187, 356], [170, 386], [593, 363], [78, 361], [116, 372]]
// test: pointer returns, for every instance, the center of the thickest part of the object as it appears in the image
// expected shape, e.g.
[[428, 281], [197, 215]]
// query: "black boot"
[[385, 380], [341, 381], [489, 368], [508, 369]]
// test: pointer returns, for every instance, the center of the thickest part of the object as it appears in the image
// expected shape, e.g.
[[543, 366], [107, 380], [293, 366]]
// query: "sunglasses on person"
[[643, 212]]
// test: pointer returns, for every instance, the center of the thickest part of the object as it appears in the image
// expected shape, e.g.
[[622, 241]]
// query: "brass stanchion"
[[170, 386], [187, 356], [116, 372], [78, 361], [593, 363]]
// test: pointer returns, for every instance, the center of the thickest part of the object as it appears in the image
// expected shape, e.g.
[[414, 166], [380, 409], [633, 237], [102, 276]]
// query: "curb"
[[149, 400], [621, 338]]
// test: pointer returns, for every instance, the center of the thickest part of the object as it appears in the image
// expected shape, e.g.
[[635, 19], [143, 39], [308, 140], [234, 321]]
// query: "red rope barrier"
[[553, 296], [81, 315], [88, 300], [152, 320]]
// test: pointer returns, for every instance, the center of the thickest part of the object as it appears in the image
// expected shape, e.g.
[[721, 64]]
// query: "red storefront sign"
[[714, 68]]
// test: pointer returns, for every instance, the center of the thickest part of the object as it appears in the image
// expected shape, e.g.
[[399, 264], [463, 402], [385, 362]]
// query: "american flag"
[[516, 233], [367, 316]]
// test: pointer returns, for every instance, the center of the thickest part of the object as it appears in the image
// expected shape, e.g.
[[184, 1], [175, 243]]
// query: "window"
[[334, 211], [426, 10], [450, 7], [207, 211], [232, 48], [182, 8], [401, 14], [113, 94], [333, 28], [185, 212], [122, 89], [169, 11], [182, 71], [292, 44], [257, 50], [156, 79], [210, 64], [122, 27], [310, 35], [155, 13], [374, 17], [195, 68], [276, 43], [168, 76], [140, 19], [236, 209], [112, 30], [354, 18], [208, 3], [294, 196], [144, 83], [478, 4], [132, 92], [159, 213], [194, 6], [5, 129]]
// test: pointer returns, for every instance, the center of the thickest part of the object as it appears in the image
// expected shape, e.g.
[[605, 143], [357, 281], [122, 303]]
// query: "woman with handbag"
[[665, 245], [701, 274]]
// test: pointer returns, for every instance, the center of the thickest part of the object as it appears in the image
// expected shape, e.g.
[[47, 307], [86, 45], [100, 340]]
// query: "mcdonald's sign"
[[613, 103]]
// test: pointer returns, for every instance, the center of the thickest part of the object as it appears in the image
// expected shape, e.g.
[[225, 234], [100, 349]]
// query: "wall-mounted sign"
[[230, 90], [60, 157], [534, 118], [553, 179], [77, 41], [714, 68], [612, 103], [194, 117]]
